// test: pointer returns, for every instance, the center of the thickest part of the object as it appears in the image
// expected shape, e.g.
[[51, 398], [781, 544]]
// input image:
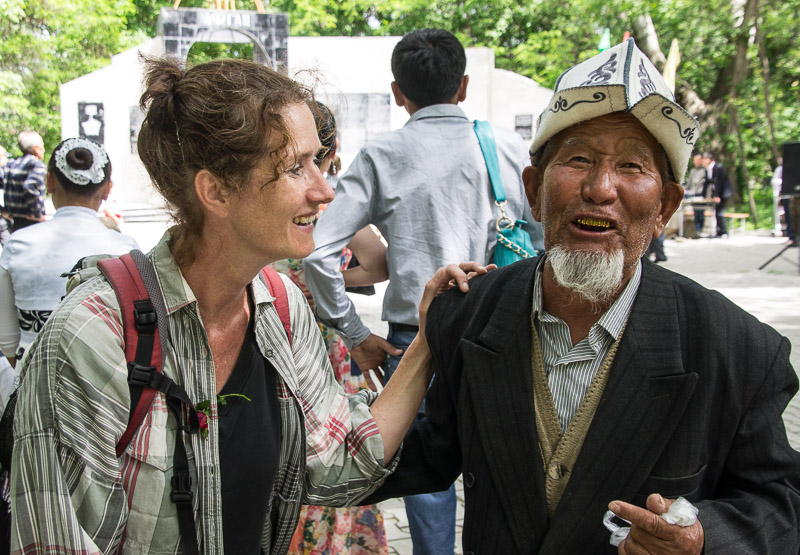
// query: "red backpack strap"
[[278, 290], [142, 343]]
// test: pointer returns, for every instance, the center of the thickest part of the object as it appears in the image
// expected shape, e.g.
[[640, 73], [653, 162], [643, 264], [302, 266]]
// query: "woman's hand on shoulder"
[[452, 275]]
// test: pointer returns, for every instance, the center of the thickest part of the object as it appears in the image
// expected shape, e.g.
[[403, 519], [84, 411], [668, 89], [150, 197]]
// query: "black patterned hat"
[[621, 79]]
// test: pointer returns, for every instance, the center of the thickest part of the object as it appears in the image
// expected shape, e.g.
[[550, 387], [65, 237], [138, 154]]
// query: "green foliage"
[[762, 195], [48, 42], [201, 52]]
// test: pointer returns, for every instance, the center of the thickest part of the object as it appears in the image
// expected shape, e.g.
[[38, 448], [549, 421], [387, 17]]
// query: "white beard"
[[596, 276]]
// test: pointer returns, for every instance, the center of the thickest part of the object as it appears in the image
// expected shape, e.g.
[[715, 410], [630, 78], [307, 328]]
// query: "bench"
[[741, 216]]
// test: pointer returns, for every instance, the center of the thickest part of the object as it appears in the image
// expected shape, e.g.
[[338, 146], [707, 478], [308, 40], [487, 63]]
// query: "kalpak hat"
[[621, 79]]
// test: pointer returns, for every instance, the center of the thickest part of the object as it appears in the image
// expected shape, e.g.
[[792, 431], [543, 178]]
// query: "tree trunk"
[[739, 70], [647, 39], [745, 174], [762, 54]]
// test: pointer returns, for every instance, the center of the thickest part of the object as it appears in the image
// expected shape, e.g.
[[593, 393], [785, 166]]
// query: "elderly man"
[[22, 179], [595, 380]]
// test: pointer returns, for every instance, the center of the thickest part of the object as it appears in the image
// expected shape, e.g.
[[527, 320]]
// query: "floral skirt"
[[330, 531]]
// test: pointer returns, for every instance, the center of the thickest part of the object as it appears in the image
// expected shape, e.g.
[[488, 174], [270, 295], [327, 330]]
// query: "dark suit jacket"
[[692, 408], [719, 184]]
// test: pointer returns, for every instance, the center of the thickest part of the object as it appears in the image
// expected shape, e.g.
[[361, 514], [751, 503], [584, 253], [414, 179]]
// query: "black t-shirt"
[[249, 447]]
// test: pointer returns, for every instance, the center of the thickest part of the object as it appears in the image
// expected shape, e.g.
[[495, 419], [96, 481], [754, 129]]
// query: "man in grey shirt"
[[427, 190], [694, 189]]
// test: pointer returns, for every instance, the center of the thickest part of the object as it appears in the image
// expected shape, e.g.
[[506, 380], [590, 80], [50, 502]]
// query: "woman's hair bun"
[[80, 158], [162, 77]]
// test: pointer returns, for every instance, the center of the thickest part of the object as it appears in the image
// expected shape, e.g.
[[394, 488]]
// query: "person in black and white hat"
[[31, 286], [593, 380]]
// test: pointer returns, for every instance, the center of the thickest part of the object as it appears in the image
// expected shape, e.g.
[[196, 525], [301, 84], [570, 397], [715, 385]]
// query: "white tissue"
[[618, 533], [681, 512]]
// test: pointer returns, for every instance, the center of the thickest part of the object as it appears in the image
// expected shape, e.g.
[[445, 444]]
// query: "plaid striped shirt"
[[22, 180], [69, 492], [571, 369]]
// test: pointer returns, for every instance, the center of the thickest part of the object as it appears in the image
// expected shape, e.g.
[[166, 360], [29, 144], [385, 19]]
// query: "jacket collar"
[[438, 111]]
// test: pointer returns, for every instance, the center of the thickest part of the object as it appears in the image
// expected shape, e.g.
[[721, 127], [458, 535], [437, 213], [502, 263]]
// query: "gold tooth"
[[594, 223]]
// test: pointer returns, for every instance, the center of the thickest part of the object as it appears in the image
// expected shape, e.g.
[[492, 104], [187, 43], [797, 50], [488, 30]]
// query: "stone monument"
[[269, 32]]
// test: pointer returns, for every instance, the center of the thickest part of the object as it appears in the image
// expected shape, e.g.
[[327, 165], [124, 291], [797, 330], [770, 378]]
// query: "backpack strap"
[[144, 356], [278, 290], [142, 341]]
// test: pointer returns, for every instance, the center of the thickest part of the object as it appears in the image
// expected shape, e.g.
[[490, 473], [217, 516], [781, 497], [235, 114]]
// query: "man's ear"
[[210, 193], [462, 89], [671, 199], [399, 97], [532, 179], [106, 189], [50, 183]]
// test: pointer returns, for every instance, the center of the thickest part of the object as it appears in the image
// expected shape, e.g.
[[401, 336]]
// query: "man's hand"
[[652, 534], [370, 354]]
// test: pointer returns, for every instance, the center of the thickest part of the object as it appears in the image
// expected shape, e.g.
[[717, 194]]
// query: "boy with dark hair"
[[428, 67], [427, 189]]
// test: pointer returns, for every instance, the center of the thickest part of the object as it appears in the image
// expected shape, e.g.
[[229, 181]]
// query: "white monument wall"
[[118, 87]]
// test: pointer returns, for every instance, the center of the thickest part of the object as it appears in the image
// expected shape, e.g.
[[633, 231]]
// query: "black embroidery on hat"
[[603, 73], [685, 134], [33, 320], [645, 81], [562, 104]]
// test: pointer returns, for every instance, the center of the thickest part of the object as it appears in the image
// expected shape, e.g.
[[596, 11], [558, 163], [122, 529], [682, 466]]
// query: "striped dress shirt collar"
[[571, 368]]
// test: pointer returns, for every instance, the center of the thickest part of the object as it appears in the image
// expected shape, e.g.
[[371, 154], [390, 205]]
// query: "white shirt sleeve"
[[9, 323]]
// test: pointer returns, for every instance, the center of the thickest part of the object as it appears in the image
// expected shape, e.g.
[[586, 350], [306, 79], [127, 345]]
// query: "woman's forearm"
[[371, 255], [361, 276], [397, 405]]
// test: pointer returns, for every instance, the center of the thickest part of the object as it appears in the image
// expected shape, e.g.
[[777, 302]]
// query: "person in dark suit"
[[718, 186], [591, 379]]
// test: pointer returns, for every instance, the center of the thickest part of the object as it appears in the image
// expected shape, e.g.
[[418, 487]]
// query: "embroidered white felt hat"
[[621, 79]]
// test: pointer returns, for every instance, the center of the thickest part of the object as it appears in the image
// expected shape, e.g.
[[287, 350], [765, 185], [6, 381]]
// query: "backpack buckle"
[[144, 316], [181, 488], [139, 375]]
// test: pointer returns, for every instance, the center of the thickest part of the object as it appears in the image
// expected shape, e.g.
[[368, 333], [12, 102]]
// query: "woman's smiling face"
[[276, 219]]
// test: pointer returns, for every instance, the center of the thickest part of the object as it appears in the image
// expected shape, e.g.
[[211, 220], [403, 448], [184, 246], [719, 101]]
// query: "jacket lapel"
[[500, 384], [646, 394]]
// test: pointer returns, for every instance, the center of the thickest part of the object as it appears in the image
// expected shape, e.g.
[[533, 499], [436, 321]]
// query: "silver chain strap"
[[507, 243]]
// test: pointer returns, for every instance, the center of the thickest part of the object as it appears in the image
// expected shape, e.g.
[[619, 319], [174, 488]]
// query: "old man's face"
[[599, 189]]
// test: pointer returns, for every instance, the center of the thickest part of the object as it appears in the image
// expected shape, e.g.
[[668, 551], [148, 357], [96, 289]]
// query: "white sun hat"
[[621, 79]]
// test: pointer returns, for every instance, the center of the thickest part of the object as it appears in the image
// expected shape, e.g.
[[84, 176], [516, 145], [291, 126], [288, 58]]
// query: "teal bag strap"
[[486, 139]]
